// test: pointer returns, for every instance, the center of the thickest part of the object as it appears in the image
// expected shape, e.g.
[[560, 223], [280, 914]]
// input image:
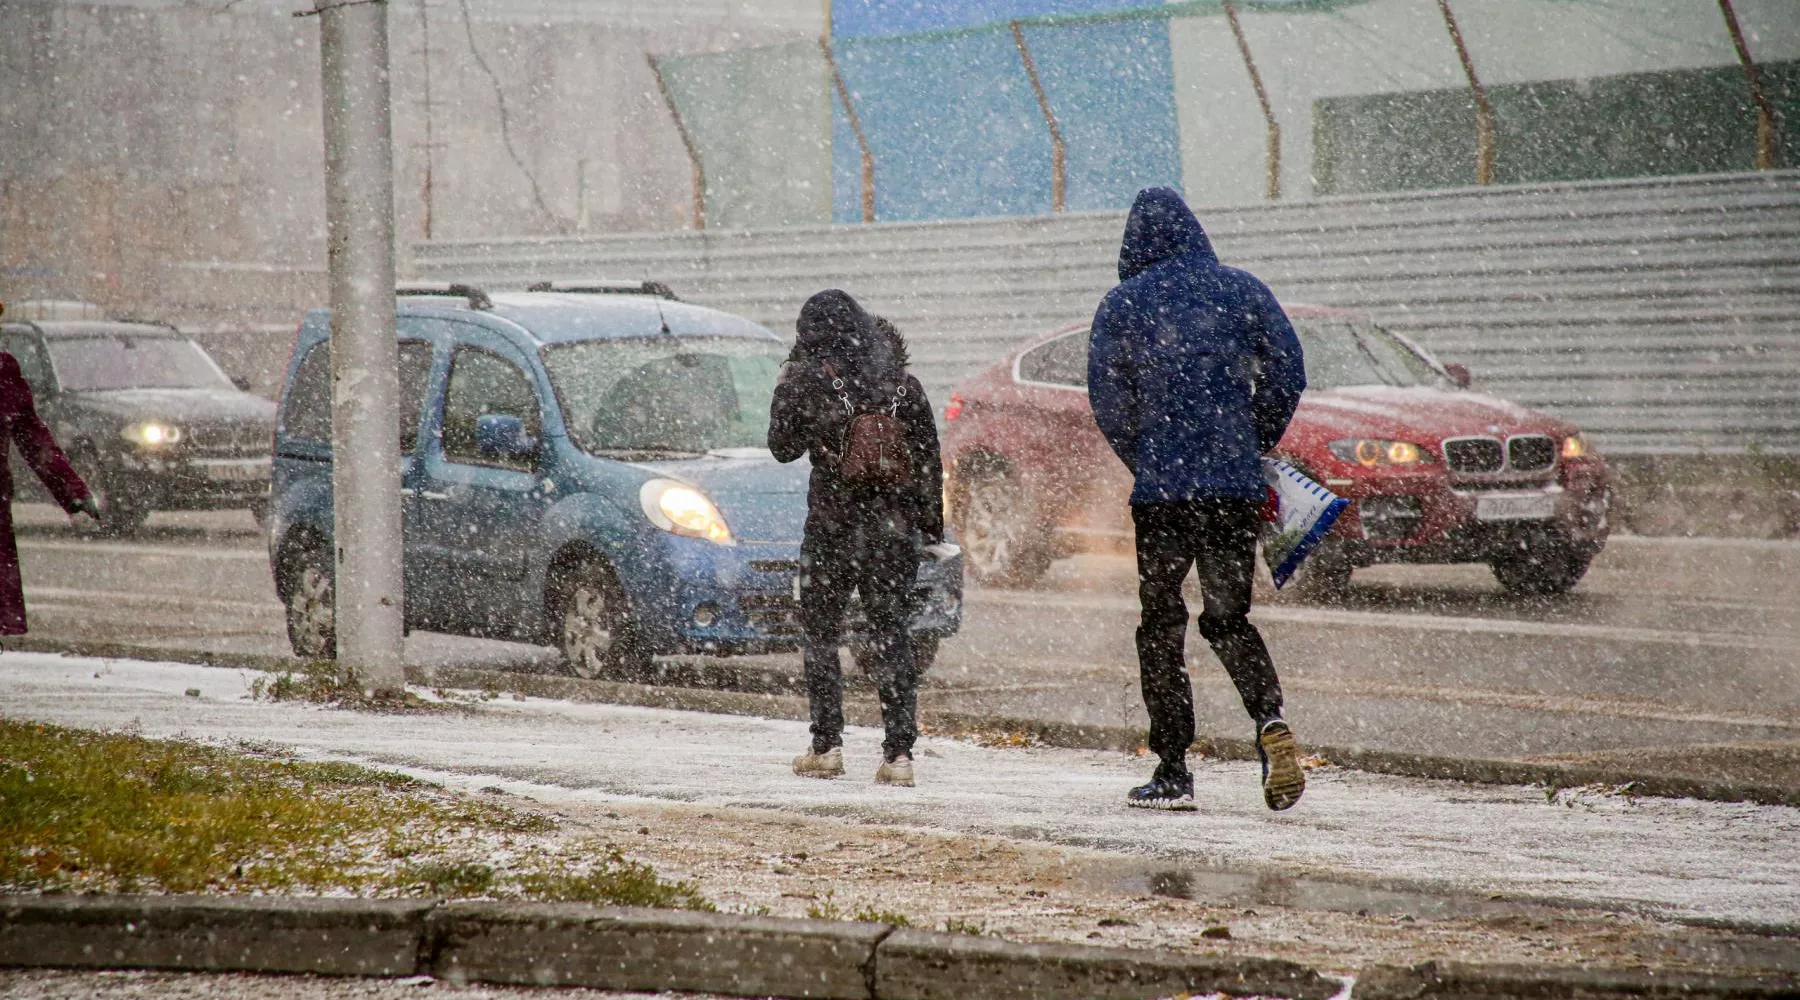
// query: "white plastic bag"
[[1305, 513]]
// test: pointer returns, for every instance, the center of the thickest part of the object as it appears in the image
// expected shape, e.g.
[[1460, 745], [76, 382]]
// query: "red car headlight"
[[1370, 452]]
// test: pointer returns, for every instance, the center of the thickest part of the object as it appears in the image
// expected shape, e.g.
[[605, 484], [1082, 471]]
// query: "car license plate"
[[236, 472], [1515, 507]]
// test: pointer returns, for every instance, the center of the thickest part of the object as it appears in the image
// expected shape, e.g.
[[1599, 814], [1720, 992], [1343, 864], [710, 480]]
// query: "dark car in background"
[[1435, 472], [150, 421]]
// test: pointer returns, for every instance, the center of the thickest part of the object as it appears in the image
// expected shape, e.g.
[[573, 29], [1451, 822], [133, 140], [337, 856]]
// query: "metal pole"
[[425, 193], [1484, 111], [1272, 127], [856, 129], [1059, 152], [365, 389], [1765, 112], [687, 141]]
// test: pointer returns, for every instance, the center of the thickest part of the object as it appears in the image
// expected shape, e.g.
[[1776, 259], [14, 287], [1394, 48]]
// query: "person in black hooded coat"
[[859, 538]]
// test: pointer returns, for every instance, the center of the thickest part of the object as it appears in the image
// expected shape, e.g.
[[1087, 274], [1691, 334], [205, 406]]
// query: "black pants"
[[1218, 536], [877, 557]]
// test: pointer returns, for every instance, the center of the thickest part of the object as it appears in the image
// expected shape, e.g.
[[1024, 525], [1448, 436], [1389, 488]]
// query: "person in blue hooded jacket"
[[1193, 374]]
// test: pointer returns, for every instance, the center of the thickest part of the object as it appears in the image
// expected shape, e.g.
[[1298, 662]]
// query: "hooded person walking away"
[[875, 498], [21, 426], [1193, 374]]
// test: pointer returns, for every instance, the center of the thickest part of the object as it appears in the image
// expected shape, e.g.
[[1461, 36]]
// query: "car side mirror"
[[1459, 374], [502, 435]]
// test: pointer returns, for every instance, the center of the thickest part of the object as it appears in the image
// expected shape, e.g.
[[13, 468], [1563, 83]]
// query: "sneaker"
[[1283, 781], [895, 772], [829, 764], [1175, 794]]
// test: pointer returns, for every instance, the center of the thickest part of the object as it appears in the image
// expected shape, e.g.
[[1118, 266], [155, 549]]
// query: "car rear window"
[[306, 409]]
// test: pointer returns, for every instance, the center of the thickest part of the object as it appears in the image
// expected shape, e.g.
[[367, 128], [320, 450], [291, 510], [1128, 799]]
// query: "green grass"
[[102, 812]]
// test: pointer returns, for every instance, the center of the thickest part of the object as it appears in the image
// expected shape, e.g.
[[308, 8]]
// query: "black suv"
[[148, 418]]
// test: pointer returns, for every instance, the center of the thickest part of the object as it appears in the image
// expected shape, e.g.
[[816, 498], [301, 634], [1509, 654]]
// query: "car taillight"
[[954, 408]]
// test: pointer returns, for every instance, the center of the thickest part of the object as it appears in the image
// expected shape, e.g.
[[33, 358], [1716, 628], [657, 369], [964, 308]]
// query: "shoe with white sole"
[[829, 764], [1173, 793], [1283, 780], [898, 771]]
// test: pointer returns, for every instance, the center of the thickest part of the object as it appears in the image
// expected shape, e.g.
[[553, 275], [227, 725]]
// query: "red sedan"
[[1435, 472]]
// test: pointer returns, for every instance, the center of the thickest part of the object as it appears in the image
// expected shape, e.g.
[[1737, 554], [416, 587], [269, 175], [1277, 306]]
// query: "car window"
[[109, 362], [306, 412], [30, 354], [1062, 361], [482, 383], [666, 394], [1347, 352]]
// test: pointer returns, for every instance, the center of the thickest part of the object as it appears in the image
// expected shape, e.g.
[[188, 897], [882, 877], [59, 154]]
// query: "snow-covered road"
[[1671, 857]]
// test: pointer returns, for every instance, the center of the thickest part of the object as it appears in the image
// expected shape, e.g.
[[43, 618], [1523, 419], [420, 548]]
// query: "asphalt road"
[[1668, 644]]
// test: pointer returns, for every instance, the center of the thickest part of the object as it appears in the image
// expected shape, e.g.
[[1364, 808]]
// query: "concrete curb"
[[617, 948], [1461, 981], [334, 937], [755, 691]]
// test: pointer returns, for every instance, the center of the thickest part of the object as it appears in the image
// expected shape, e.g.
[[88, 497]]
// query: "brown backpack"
[[874, 451]]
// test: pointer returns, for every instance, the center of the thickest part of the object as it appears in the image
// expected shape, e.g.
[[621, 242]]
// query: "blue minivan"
[[582, 466]]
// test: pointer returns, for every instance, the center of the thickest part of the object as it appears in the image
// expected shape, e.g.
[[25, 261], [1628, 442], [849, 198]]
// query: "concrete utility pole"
[[365, 383]]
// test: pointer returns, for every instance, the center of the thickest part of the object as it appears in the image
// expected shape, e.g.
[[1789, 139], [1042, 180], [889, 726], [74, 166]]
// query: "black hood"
[[1160, 227], [834, 328]]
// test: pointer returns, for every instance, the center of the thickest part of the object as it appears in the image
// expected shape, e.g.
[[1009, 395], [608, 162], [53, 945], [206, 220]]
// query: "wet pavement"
[[1669, 644], [1353, 834]]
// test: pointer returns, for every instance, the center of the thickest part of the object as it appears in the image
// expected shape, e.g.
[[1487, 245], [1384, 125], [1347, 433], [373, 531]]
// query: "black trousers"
[[876, 556], [1218, 537]]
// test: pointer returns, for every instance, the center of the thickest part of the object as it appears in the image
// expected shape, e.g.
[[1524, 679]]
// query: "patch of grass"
[[873, 916], [326, 682], [957, 925], [82, 811], [615, 880]]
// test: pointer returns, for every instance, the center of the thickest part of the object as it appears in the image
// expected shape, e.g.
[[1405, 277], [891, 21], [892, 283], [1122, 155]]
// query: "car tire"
[[309, 591], [1003, 543], [1542, 567], [119, 515], [1324, 578], [594, 631], [925, 650]]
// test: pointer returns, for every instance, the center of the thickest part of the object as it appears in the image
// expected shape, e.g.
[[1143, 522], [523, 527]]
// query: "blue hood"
[[1161, 227], [762, 500]]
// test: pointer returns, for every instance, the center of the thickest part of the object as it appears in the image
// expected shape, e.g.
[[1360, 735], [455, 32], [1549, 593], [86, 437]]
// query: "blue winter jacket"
[[1193, 369]]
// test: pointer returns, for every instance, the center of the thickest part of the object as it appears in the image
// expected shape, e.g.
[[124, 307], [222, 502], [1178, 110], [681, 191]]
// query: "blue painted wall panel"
[[953, 124], [879, 18], [1111, 88]]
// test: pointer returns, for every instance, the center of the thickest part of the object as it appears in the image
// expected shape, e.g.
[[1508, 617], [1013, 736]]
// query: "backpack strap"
[[843, 392], [837, 386]]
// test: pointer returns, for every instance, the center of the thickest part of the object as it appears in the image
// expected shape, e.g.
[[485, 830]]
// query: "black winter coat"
[[807, 417]]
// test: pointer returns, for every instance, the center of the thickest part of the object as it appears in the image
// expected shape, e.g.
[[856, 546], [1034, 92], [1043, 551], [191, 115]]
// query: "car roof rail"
[[142, 321], [604, 287], [476, 297]]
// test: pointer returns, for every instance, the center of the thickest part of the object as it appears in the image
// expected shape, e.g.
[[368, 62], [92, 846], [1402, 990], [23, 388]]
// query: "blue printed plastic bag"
[[1305, 512]]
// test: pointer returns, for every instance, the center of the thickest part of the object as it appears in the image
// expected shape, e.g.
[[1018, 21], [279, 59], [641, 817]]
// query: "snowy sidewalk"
[[1668, 857]]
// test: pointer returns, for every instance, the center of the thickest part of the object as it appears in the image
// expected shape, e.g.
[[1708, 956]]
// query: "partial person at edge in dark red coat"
[[20, 425]]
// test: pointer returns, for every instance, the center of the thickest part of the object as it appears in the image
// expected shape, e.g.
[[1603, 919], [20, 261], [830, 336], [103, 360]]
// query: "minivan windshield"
[[666, 394], [117, 361], [1347, 352]]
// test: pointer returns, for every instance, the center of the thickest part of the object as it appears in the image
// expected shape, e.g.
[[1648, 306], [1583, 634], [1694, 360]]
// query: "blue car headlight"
[[683, 510]]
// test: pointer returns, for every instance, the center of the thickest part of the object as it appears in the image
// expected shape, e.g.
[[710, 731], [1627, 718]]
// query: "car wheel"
[[925, 650], [120, 514], [1324, 578], [1003, 545], [311, 597], [1542, 567], [594, 630]]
